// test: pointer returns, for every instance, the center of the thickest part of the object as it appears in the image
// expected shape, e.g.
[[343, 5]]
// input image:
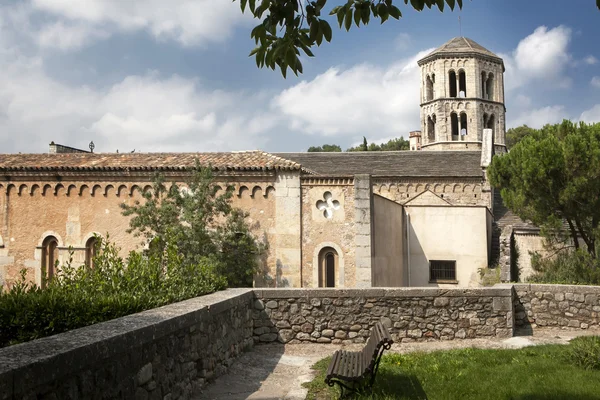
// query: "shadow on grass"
[[397, 386], [556, 396]]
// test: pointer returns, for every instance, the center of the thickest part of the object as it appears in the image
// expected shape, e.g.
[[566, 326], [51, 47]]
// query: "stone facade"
[[346, 316], [73, 210], [556, 306]]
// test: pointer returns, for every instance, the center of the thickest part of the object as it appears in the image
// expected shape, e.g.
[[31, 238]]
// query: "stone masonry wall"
[[556, 306], [411, 314], [165, 353]]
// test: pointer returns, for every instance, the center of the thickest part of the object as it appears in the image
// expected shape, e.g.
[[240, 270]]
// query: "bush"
[[577, 267], [77, 297], [584, 352]]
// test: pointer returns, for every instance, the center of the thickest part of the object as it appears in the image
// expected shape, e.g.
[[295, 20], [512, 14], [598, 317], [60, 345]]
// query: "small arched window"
[[431, 128], [462, 84], [49, 258], [463, 124], [483, 85], [454, 126], [328, 260], [452, 82], [490, 87], [428, 89], [91, 249]]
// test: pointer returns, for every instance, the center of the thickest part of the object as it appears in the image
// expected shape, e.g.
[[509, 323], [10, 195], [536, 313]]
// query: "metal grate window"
[[442, 271]]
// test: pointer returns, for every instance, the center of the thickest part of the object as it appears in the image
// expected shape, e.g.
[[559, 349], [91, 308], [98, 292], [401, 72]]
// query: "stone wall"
[[411, 314], [165, 353], [556, 306]]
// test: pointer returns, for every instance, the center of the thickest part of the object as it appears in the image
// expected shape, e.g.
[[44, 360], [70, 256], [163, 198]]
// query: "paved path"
[[275, 371]]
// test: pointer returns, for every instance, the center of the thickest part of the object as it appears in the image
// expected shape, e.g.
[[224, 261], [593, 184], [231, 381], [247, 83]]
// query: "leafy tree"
[[391, 145], [289, 26], [551, 177], [326, 148], [199, 223], [515, 135]]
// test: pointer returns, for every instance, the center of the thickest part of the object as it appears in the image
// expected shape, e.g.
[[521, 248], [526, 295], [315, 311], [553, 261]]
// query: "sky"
[[171, 76]]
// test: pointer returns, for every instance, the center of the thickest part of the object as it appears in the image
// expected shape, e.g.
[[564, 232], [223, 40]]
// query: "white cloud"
[[189, 22], [537, 118], [146, 112], [595, 81], [540, 57], [68, 36], [591, 115], [403, 41], [361, 100], [590, 60]]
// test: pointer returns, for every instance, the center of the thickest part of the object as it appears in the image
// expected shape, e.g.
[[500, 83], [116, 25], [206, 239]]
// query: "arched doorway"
[[328, 262]]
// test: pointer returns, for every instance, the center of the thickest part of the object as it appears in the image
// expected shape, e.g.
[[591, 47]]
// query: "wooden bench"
[[354, 371]]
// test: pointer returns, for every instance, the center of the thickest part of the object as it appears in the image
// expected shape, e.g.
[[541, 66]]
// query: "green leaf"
[[326, 29], [357, 13], [348, 19], [243, 4], [395, 12], [450, 4], [314, 31], [365, 15], [340, 15], [440, 4]]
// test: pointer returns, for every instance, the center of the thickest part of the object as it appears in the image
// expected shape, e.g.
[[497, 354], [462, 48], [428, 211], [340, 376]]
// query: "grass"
[[532, 373]]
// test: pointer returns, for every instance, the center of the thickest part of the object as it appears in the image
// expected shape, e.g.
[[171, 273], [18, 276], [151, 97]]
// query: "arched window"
[[428, 89], [452, 82], [483, 86], [328, 260], [491, 124], [49, 258], [431, 128], [462, 84], [463, 125], [91, 248], [489, 87], [454, 126]]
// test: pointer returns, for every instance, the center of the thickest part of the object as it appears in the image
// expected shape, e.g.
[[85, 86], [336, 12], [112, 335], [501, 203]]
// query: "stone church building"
[[426, 217]]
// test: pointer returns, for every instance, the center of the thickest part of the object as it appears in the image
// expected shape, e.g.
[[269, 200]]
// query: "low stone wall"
[[165, 353], [556, 306], [411, 314]]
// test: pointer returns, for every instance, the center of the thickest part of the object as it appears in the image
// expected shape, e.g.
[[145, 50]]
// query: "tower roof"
[[460, 46]]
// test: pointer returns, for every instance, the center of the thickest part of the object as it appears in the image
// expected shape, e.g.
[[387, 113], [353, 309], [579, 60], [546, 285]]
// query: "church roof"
[[460, 47], [391, 163], [245, 160]]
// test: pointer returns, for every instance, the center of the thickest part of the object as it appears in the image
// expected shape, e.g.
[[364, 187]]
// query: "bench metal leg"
[[345, 389]]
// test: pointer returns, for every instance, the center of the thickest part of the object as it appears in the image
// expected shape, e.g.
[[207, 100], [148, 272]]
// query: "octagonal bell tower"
[[462, 93]]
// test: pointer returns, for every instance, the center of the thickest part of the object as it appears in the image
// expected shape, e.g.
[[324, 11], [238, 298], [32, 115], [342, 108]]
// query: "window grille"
[[442, 271]]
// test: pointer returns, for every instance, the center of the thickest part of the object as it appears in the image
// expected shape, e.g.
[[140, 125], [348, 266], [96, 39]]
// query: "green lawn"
[[532, 373]]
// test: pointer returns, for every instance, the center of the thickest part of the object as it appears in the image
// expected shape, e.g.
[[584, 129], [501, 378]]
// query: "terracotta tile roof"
[[242, 161], [391, 163]]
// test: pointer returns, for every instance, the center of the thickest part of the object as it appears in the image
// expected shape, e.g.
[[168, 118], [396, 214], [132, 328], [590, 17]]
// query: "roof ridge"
[[467, 42]]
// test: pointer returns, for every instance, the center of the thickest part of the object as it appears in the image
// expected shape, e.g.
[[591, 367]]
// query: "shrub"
[[584, 352], [576, 267], [80, 296]]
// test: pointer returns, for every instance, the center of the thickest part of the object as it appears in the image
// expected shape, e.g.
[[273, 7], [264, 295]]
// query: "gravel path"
[[276, 371]]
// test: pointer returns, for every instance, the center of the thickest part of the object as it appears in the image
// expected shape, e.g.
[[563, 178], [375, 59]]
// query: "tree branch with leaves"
[[289, 28]]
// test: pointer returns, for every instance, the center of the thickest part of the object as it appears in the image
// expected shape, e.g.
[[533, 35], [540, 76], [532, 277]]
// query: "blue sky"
[[153, 75]]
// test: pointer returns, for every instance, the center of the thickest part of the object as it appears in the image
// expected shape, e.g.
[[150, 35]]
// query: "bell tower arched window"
[[463, 125], [328, 262], [428, 88], [49, 258], [431, 128], [489, 87], [462, 84], [452, 83], [454, 126]]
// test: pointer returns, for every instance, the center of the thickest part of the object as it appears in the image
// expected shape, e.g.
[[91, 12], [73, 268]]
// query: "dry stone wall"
[[411, 314], [165, 353], [566, 306]]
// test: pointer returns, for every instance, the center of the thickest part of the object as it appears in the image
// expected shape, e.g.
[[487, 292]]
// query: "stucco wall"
[[389, 263], [527, 243], [336, 232], [447, 233], [165, 353]]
